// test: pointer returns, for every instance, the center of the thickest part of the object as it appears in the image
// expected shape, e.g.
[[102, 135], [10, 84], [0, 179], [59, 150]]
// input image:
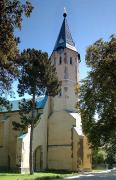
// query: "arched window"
[[71, 60], [65, 89], [60, 60]]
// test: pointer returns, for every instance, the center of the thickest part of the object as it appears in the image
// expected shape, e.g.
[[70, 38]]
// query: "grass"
[[36, 176]]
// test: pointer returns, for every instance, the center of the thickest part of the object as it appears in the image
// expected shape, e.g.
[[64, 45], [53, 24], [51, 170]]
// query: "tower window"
[[60, 94], [65, 89], [60, 60], [79, 57], [70, 60], [65, 73], [54, 62]]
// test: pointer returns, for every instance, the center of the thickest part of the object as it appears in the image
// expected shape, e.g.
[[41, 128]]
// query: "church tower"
[[67, 147], [66, 59]]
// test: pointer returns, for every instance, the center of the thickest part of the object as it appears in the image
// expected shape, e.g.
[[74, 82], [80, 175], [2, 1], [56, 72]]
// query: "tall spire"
[[65, 39]]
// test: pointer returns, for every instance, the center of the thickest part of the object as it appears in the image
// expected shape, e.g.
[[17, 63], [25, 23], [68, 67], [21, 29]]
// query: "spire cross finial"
[[65, 10], [65, 13]]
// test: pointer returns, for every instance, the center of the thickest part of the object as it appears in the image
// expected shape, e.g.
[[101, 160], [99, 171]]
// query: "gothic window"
[[60, 94], [66, 73], [65, 89], [60, 60], [79, 57], [71, 60], [54, 62]]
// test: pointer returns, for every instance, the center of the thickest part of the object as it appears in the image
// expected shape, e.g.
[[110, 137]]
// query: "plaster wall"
[[75, 149], [59, 158], [68, 74], [60, 140], [8, 149]]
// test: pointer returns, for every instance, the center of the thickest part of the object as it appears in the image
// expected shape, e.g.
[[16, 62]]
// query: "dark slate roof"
[[40, 103], [65, 38]]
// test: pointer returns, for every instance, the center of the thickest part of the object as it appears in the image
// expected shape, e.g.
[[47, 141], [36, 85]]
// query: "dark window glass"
[[60, 60], [70, 60]]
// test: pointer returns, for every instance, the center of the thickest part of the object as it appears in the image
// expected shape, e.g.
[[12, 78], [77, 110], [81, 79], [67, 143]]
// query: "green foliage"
[[37, 75], [36, 176], [11, 16], [98, 94], [98, 157], [111, 152], [25, 107]]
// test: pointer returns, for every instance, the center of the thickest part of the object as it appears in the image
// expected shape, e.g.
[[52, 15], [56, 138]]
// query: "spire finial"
[[65, 13]]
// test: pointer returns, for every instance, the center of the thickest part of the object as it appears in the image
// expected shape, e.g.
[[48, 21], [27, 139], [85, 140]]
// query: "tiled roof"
[[40, 103], [65, 38]]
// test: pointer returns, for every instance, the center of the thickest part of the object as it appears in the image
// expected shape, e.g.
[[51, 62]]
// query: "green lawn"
[[36, 176]]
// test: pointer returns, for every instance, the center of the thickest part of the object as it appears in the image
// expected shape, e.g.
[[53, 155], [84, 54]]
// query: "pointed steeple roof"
[[65, 39]]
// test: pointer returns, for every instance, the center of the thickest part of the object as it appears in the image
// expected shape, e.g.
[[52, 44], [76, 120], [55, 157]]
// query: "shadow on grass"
[[8, 174], [47, 178]]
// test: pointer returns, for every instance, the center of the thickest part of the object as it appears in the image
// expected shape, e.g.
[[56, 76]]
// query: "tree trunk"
[[31, 138]]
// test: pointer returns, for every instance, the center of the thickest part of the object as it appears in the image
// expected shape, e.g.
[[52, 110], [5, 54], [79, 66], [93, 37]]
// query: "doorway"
[[38, 159]]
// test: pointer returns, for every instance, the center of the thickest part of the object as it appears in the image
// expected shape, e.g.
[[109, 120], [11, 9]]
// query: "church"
[[58, 141]]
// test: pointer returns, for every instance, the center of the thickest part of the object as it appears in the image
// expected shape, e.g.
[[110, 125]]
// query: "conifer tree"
[[37, 74], [11, 16]]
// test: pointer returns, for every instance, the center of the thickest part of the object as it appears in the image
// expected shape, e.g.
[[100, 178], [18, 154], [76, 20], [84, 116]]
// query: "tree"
[[11, 16], [111, 153], [98, 156], [37, 74], [98, 94]]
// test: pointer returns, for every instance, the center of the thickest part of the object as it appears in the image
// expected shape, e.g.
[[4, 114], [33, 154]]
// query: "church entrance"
[[38, 159]]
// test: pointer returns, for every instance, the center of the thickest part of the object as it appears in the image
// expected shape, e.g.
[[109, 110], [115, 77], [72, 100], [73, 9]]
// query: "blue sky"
[[88, 20]]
